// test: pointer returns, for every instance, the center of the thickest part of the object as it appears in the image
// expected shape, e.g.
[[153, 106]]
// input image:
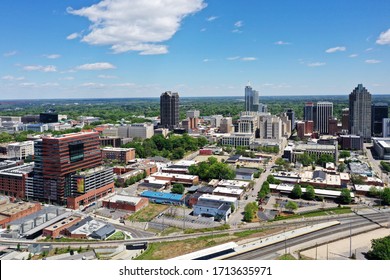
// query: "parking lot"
[[181, 218]]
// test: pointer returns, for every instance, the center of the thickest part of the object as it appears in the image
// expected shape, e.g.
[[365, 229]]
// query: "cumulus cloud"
[[384, 38], [282, 43], [12, 78], [52, 56], [316, 64], [249, 58], [107, 77], [353, 55], [73, 36], [136, 25], [96, 66], [336, 49], [212, 18], [239, 24], [372, 61], [233, 58], [47, 68], [11, 53]]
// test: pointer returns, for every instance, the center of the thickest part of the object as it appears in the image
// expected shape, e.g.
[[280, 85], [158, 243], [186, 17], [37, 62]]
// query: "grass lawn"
[[286, 257], [166, 250], [148, 213], [171, 249], [316, 213], [119, 235]]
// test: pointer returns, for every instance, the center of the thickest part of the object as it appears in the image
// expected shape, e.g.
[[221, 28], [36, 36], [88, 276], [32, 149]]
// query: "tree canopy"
[[380, 249], [310, 194], [345, 196], [177, 188], [296, 191], [212, 169]]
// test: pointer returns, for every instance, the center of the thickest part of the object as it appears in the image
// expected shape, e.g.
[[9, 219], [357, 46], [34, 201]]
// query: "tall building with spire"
[[169, 109], [360, 112]]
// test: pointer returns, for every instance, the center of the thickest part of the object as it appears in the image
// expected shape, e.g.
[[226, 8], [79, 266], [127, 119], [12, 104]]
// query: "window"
[[76, 151]]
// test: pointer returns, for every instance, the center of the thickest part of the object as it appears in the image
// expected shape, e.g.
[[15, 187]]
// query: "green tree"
[[280, 161], [341, 167], [306, 159], [345, 154], [291, 206], [310, 193], [296, 191], [177, 188], [250, 211], [324, 158], [357, 179], [380, 249], [386, 196], [345, 196], [232, 208]]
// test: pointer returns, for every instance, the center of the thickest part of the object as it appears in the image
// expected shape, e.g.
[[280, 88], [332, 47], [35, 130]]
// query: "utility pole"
[[316, 249], [350, 239]]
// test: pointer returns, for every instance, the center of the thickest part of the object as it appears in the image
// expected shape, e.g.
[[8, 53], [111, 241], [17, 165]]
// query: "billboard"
[[81, 185]]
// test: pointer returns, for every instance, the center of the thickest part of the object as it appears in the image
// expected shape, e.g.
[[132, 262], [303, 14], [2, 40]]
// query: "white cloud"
[[353, 55], [96, 66], [124, 85], [12, 78], [248, 58], [336, 49], [282, 43], [212, 18], [11, 53], [93, 85], [316, 64], [73, 36], [233, 58], [384, 38], [52, 56], [239, 24], [48, 68], [136, 25], [236, 31], [107, 77], [67, 78], [207, 60], [369, 49], [203, 30], [28, 84], [372, 61]]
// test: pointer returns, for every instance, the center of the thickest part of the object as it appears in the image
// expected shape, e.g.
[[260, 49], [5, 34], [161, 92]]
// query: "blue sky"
[[141, 48]]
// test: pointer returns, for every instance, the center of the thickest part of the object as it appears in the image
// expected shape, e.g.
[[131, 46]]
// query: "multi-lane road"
[[347, 226]]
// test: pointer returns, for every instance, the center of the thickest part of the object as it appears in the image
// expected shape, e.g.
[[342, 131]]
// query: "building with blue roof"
[[164, 198]]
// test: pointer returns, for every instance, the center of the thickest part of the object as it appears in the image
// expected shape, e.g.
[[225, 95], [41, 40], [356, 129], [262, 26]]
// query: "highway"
[[346, 226]]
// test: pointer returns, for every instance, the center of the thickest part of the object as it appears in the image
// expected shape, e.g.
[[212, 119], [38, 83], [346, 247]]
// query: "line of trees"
[[172, 147]]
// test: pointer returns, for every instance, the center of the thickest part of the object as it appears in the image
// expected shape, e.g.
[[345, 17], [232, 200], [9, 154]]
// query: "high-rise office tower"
[[291, 115], [324, 112], [345, 119], [308, 111], [251, 99], [169, 109], [360, 112], [58, 158], [379, 111]]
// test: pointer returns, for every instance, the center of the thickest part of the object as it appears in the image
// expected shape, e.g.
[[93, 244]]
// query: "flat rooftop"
[[133, 200], [14, 208], [112, 149], [174, 175], [217, 198], [63, 222], [233, 183], [228, 191]]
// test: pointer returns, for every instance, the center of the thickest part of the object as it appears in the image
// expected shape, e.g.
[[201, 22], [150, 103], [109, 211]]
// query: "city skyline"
[[101, 48]]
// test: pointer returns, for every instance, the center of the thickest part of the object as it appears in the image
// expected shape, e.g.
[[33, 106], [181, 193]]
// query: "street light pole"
[[350, 239]]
